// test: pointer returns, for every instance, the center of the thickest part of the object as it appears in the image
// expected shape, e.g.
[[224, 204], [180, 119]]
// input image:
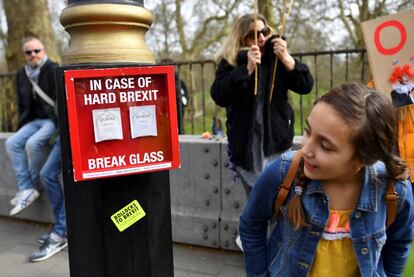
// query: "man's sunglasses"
[[265, 32], [29, 52]]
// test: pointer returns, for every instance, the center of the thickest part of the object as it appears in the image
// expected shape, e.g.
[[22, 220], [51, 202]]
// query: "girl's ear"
[[359, 165]]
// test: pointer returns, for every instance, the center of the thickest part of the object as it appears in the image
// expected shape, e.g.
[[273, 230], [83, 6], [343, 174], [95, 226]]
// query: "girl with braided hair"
[[334, 220]]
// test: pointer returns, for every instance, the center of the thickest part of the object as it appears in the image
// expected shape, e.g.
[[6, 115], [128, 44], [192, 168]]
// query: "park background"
[[325, 34]]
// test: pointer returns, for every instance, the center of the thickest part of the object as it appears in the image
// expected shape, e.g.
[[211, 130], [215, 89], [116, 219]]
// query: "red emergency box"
[[122, 120]]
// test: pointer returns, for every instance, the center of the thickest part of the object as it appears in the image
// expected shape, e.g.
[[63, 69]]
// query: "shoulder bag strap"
[[39, 91], [391, 198], [287, 182]]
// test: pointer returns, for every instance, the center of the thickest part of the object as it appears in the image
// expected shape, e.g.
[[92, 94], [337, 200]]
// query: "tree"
[[190, 29], [267, 9], [211, 29], [351, 13], [187, 30], [303, 30], [27, 18]]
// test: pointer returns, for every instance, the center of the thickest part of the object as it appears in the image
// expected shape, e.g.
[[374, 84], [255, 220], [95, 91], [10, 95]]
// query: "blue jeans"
[[32, 137], [50, 178]]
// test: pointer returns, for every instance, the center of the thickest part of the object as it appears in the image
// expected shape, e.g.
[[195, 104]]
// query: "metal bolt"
[[226, 190], [205, 236], [206, 150], [205, 228], [213, 242], [214, 225], [226, 164], [215, 189], [236, 205], [215, 163], [235, 232], [225, 226], [206, 176], [207, 202]]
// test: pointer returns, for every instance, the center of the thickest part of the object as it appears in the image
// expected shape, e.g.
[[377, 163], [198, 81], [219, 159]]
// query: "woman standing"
[[259, 127]]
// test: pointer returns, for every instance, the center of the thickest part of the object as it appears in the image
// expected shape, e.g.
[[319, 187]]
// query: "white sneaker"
[[15, 199], [26, 198], [239, 243]]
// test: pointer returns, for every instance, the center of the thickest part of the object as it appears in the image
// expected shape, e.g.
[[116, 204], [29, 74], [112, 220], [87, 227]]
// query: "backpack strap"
[[391, 198], [287, 182]]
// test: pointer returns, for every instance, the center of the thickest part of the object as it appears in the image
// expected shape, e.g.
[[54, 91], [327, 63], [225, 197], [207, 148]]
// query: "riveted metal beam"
[[195, 193]]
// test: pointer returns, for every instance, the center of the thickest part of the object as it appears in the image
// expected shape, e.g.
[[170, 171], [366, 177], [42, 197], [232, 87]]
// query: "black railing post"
[[331, 70], [203, 97], [346, 67]]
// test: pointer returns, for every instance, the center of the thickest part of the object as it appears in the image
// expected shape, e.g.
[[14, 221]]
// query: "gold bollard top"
[[107, 33]]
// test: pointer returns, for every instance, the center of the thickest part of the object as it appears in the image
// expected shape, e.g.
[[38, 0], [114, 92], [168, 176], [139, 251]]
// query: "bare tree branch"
[[206, 24], [344, 19], [180, 26]]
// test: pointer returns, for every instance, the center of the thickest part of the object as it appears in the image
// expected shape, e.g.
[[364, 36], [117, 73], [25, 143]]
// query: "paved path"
[[18, 241]]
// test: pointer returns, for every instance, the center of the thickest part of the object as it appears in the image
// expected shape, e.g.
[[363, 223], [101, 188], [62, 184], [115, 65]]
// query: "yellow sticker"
[[128, 215]]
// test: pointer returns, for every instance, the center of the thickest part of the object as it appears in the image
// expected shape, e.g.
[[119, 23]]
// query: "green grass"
[[409, 267], [211, 109]]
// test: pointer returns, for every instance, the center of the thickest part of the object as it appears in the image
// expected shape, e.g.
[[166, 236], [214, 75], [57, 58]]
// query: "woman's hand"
[[281, 52], [253, 58]]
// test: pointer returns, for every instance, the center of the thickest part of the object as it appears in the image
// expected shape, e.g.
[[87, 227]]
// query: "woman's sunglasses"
[[29, 52], [265, 32]]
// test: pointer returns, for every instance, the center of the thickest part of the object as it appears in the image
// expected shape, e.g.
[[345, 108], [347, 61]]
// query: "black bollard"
[[96, 246]]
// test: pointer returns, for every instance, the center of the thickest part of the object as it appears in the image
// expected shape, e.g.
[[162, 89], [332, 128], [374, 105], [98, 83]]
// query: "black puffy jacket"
[[233, 88]]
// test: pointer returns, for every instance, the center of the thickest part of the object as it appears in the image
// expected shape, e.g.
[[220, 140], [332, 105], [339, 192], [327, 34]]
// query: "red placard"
[[122, 120]]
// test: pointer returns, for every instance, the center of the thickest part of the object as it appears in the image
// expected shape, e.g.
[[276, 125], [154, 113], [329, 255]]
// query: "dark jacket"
[[182, 98], [32, 107], [400, 99], [233, 88]]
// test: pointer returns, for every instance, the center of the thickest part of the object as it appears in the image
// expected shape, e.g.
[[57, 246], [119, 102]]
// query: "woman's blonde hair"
[[237, 38]]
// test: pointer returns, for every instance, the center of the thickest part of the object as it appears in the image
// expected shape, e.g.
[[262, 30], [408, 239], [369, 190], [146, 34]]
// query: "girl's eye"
[[325, 147]]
